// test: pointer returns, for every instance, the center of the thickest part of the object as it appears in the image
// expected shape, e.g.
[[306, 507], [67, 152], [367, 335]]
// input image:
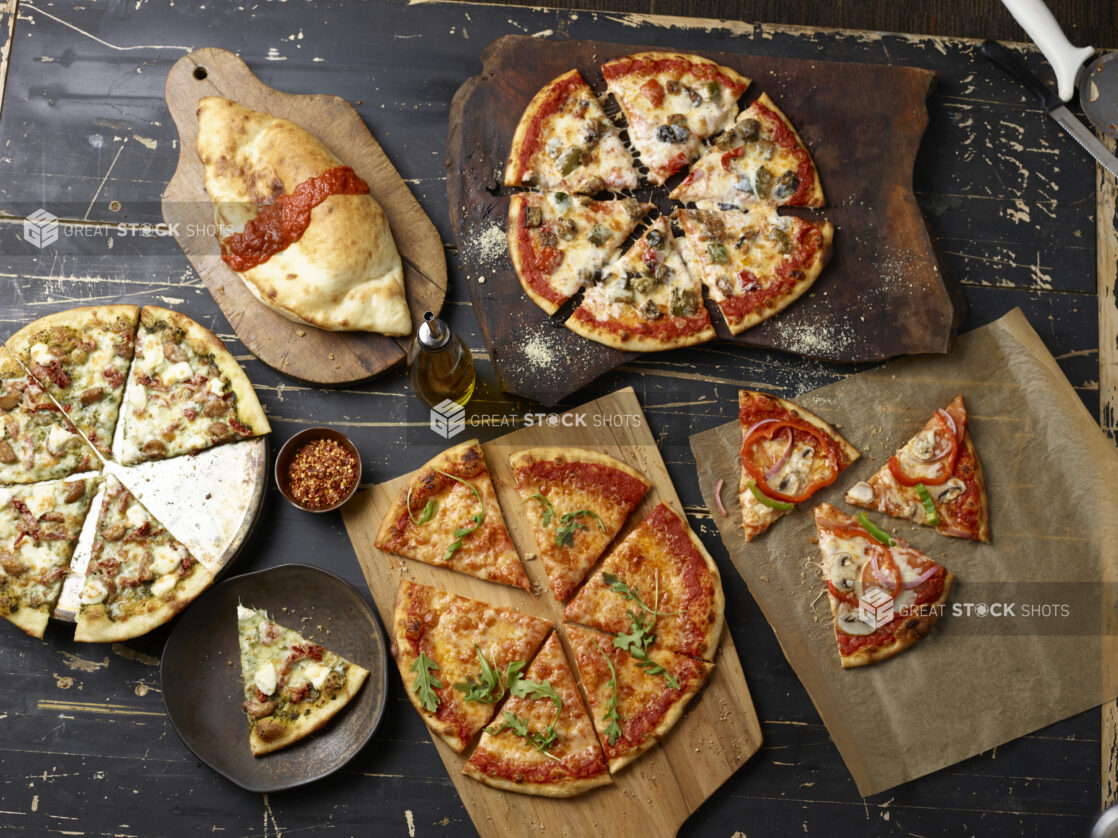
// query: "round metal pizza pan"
[[203, 688], [209, 501]]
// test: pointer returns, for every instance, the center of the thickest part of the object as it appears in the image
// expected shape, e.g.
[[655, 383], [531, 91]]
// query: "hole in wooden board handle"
[[200, 73]]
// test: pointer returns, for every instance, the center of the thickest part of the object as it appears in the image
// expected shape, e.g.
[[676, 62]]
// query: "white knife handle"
[[1037, 21]]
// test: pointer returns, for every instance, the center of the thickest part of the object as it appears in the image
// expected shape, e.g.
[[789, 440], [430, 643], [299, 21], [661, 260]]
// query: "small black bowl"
[[287, 454]]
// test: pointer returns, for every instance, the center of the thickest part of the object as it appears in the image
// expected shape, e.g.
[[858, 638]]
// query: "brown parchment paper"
[[978, 679]]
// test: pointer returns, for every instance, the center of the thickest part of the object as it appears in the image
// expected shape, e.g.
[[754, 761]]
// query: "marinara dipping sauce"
[[322, 473]]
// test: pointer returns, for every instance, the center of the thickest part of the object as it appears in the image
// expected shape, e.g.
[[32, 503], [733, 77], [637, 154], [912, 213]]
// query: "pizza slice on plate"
[[186, 392], [457, 656], [659, 588], [292, 686], [672, 103], [39, 528], [885, 595], [760, 161], [787, 455], [37, 441], [577, 501], [935, 479], [139, 575], [565, 141], [81, 357], [559, 242], [754, 265], [448, 516], [634, 703], [543, 742], [647, 300]]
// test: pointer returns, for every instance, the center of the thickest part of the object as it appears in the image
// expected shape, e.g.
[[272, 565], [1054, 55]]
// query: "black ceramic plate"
[[203, 690]]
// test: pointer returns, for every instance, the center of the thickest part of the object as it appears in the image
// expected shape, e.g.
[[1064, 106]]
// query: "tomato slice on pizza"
[[885, 595], [647, 300], [787, 455], [560, 242], [935, 479], [672, 103], [564, 141], [754, 265], [760, 161]]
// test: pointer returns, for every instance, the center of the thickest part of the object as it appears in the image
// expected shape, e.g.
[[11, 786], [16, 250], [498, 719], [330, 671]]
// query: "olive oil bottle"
[[442, 367]]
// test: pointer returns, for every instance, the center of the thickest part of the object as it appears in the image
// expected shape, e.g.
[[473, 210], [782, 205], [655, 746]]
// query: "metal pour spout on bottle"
[[443, 367]]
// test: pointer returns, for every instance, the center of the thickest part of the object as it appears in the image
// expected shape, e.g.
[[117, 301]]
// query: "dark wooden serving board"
[[883, 294], [297, 350]]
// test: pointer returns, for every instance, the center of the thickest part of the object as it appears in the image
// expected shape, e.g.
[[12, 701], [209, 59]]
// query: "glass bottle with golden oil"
[[442, 367]]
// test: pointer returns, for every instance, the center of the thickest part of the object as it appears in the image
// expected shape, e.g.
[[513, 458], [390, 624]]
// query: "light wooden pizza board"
[[297, 350], [720, 731]]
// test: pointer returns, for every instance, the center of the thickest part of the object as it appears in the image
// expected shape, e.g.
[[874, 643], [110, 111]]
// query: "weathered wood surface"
[[882, 251], [84, 743]]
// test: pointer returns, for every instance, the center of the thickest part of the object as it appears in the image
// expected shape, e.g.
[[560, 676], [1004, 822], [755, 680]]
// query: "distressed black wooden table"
[[85, 746]]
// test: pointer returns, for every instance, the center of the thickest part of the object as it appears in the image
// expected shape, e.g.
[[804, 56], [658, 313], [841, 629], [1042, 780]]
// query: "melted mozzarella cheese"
[[177, 373], [40, 354], [135, 517], [265, 678], [58, 439], [244, 613], [166, 560], [163, 584], [94, 591], [138, 398]]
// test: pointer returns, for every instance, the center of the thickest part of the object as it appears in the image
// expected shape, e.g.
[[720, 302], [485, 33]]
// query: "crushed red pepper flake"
[[322, 473]]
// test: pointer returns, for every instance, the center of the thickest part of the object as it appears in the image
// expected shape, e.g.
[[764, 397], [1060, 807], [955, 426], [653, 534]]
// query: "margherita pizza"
[[885, 595], [577, 501], [935, 479], [787, 455], [448, 516], [457, 656], [292, 687]]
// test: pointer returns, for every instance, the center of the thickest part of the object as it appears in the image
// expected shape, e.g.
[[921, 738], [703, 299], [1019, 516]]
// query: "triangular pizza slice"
[[672, 103], [885, 595], [760, 161], [659, 586], [543, 742], [81, 357], [448, 516], [934, 479], [754, 265], [565, 141], [457, 656], [633, 702], [292, 686], [787, 455], [577, 501]]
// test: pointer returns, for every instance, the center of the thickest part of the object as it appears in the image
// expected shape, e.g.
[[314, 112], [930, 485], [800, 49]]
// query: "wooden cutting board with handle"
[[297, 350], [883, 293], [720, 731]]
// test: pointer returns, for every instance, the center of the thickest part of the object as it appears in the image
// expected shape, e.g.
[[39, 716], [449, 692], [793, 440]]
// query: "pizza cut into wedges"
[[39, 529], [934, 479], [659, 587], [787, 455], [577, 501], [885, 595], [139, 575], [448, 516], [647, 300], [543, 742], [564, 141], [754, 264], [760, 161], [37, 441], [81, 358], [457, 656], [634, 702], [186, 392], [560, 242], [292, 686], [672, 102]]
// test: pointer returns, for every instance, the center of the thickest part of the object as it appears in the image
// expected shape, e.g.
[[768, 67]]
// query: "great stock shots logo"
[[875, 608], [448, 418], [40, 228]]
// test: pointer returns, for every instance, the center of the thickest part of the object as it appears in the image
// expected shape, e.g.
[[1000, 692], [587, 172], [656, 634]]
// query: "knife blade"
[[1052, 104]]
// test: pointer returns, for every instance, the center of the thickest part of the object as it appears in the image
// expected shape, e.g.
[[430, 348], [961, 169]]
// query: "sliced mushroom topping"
[[843, 571], [915, 512], [533, 217], [7, 453], [10, 399], [849, 621], [789, 483], [948, 491], [923, 445], [651, 311], [860, 493]]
